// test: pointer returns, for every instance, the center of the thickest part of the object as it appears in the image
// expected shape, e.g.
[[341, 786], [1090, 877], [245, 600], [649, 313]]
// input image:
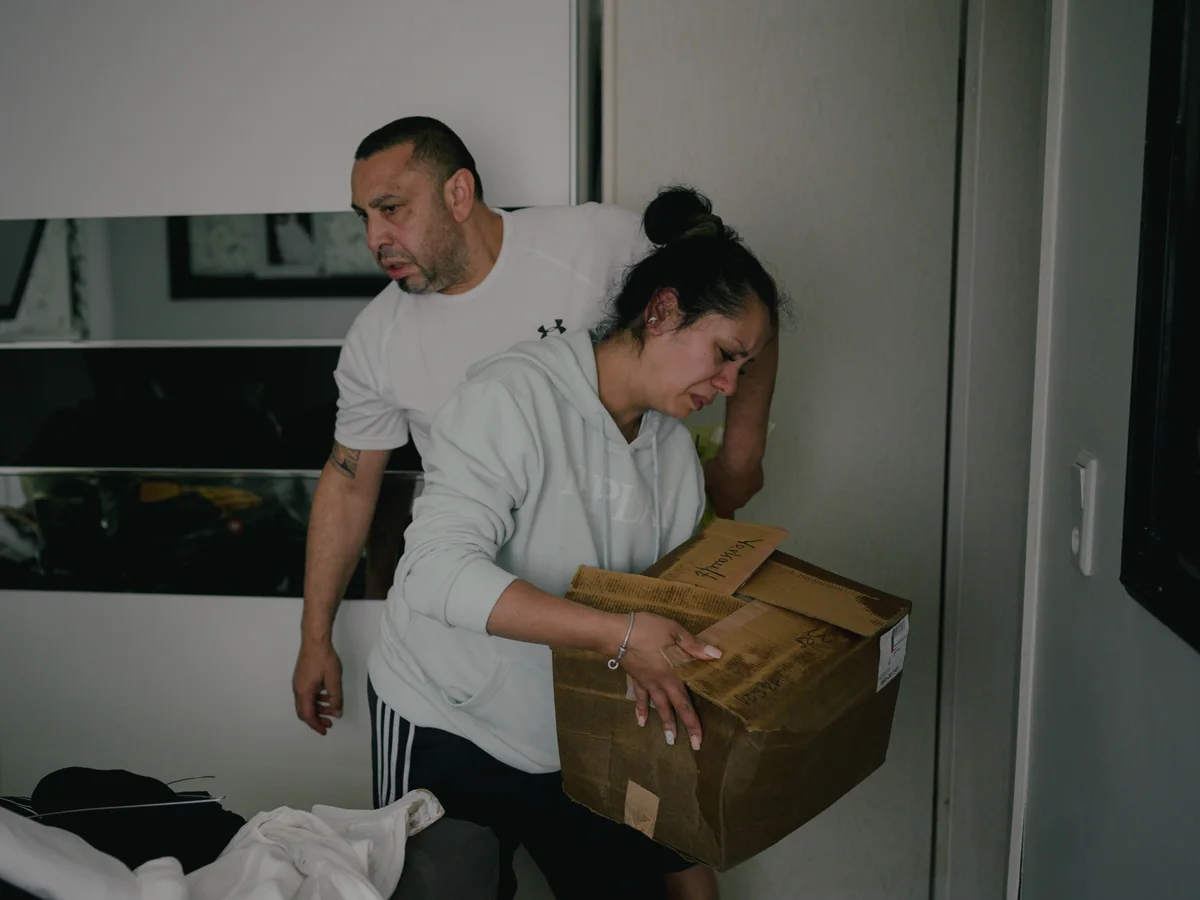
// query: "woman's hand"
[[526, 613], [653, 678]]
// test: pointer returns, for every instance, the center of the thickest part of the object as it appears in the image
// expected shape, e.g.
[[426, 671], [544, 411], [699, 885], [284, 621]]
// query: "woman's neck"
[[616, 367]]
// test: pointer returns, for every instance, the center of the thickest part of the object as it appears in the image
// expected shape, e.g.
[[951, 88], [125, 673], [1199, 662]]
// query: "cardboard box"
[[796, 712]]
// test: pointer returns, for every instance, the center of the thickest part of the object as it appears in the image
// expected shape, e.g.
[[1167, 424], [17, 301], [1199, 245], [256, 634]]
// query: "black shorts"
[[582, 854]]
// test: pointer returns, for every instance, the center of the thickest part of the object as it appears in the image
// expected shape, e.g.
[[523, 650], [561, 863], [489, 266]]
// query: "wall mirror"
[[171, 400], [294, 276]]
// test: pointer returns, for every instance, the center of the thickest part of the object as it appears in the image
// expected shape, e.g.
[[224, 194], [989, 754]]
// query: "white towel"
[[285, 854], [58, 865]]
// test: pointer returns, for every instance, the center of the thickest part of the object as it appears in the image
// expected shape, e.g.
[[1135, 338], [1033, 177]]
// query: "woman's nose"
[[725, 381]]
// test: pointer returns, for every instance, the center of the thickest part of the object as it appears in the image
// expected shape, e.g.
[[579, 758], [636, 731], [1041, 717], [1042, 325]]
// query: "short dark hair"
[[434, 143], [698, 257]]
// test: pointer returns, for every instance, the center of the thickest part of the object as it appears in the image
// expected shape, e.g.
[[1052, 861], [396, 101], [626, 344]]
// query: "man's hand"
[[730, 488], [317, 685]]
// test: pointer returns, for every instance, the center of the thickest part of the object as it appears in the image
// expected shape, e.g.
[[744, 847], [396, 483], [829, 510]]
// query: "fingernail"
[[670, 739], [641, 720], [695, 743], [712, 652]]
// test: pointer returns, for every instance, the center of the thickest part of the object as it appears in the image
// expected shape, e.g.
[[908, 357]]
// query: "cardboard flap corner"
[[808, 593]]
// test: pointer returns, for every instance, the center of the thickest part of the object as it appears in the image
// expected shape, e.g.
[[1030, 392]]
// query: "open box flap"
[[721, 557], [742, 559], [779, 584]]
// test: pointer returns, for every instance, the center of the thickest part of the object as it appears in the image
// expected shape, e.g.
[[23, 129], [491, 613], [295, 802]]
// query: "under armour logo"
[[557, 326]]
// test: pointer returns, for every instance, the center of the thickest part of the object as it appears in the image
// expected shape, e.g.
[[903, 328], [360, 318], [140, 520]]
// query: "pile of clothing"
[[88, 833], [131, 817]]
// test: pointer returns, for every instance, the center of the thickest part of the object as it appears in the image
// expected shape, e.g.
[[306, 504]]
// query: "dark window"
[[1160, 560]]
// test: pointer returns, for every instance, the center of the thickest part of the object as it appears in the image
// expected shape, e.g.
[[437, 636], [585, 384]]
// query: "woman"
[[558, 453]]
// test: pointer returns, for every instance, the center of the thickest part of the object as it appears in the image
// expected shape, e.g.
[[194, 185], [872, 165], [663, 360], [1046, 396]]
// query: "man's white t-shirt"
[[405, 354]]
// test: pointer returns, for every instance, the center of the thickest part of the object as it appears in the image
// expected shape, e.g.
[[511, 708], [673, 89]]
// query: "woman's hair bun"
[[699, 258], [680, 212]]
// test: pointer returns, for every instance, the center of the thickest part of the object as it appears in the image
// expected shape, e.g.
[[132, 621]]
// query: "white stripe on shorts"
[[394, 736], [412, 733], [380, 768]]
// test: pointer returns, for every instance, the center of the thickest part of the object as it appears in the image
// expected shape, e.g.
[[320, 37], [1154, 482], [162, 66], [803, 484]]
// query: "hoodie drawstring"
[[657, 508], [606, 562]]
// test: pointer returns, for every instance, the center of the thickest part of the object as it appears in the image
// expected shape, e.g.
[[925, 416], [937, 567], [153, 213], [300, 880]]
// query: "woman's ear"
[[662, 311]]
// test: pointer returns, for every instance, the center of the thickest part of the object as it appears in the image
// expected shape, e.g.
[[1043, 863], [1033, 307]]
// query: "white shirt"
[[405, 354]]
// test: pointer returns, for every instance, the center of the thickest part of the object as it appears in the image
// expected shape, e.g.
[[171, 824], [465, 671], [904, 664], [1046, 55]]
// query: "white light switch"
[[1083, 509]]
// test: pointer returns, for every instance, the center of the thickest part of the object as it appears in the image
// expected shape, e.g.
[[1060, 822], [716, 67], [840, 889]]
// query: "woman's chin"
[[681, 409]]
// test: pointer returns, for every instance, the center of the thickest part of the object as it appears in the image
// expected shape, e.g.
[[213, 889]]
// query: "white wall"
[[1113, 780], [825, 131], [178, 686], [172, 107], [142, 307]]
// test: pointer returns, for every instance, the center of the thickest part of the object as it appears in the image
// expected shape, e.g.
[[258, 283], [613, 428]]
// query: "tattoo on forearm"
[[344, 460]]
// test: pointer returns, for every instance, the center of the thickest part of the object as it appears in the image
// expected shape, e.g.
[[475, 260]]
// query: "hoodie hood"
[[569, 363]]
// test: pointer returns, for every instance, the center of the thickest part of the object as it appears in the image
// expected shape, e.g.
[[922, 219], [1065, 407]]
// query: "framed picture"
[[21, 240], [291, 247], [42, 283], [271, 255]]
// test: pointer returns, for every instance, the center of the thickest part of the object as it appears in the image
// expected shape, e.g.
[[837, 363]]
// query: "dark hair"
[[434, 143], [700, 258]]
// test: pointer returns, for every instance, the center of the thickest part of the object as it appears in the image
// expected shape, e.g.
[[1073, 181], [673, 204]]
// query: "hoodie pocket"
[[481, 696], [462, 667], [519, 709]]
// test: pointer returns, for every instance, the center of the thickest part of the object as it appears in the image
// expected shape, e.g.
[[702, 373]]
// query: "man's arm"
[[735, 474], [342, 509]]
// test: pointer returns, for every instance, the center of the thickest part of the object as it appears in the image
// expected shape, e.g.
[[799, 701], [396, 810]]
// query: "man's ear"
[[662, 312], [458, 193]]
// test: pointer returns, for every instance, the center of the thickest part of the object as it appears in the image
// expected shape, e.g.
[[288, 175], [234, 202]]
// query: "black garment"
[[583, 855], [450, 859], [132, 817], [9, 891]]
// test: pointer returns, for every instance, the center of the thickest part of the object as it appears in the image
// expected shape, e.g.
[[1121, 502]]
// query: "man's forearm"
[[735, 474], [337, 532], [748, 412]]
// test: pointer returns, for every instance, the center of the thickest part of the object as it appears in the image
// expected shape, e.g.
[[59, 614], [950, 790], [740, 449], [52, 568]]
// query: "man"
[[468, 281]]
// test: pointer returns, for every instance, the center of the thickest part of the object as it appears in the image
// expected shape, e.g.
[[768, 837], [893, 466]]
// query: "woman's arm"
[[526, 613], [478, 468], [483, 456]]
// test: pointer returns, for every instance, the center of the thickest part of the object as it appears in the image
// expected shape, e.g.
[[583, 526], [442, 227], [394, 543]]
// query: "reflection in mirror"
[[37, 299], [297, 276], [184, 469], [169, 532]]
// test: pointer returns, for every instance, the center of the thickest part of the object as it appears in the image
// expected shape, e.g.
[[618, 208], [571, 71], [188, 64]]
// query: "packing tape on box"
[[641, 808]]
